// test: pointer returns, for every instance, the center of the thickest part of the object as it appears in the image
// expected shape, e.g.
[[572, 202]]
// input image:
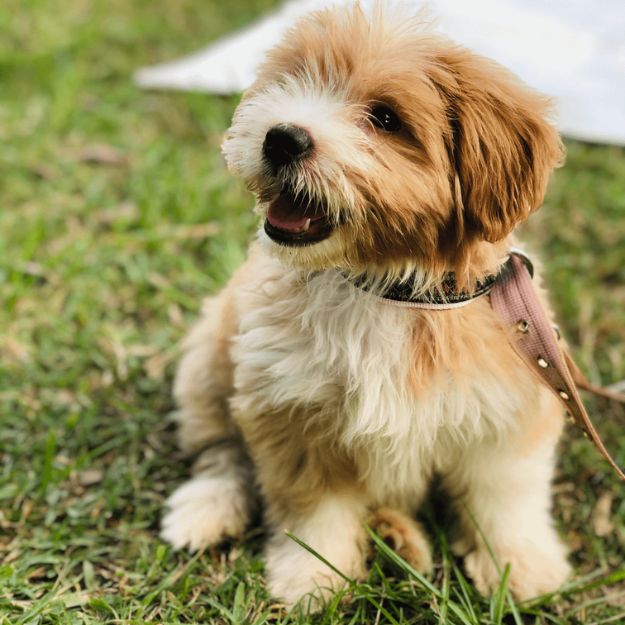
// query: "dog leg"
[[333, 527], [203, 381], [217, 502], [504, 501], [404, 535]]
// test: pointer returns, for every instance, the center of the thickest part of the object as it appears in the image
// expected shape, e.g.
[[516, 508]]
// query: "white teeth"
[[306, 225]]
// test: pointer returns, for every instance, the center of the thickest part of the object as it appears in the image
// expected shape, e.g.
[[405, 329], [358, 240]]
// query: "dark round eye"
[[383, 117]]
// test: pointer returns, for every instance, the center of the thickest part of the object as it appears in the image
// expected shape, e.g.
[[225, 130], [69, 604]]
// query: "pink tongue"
[[283, 215]]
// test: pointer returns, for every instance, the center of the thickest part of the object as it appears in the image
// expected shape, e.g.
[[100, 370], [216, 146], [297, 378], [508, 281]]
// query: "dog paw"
[[405, 536], [204, 511], [533, 570], [307, 590], [299, 579]]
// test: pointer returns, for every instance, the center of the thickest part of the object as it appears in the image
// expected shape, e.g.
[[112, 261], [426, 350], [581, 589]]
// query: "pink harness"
[[535, 340], [516, 303]]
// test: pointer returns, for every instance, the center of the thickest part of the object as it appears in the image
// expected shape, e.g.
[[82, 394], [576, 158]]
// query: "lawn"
[[117, 218]]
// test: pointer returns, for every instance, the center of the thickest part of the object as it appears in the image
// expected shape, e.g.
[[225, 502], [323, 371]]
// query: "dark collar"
[[443, 297]]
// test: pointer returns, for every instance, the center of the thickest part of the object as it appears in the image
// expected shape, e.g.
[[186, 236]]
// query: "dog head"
[[371, 142]]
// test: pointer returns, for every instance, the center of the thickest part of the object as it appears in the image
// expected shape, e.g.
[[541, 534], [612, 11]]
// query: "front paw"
[[405, 536], [204, 511], [534, 569], [298, 578]]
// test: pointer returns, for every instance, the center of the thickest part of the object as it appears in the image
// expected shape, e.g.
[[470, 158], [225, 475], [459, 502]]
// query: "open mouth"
[[296, 220]]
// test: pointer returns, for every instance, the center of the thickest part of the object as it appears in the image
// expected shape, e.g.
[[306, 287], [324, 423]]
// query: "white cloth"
[[573, 50]]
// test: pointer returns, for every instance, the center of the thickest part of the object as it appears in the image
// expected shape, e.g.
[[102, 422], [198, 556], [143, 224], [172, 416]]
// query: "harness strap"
[[582, 382], [517, 305]]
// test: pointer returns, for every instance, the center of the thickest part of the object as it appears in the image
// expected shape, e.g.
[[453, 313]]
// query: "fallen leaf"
[[600, 519], [89, 477], [155, 365], [43, 171], [102, 154], [13, 349], [125, 211]]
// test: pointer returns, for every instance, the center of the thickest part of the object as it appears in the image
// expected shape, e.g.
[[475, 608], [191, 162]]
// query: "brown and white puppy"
[[374, 148]]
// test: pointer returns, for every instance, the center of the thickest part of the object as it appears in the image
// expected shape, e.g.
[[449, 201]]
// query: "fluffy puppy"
[[381, 152]]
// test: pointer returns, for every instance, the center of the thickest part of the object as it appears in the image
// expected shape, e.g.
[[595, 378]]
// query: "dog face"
[[370, 142]]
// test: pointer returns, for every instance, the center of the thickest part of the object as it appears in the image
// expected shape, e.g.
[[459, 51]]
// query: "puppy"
[[381, 155]]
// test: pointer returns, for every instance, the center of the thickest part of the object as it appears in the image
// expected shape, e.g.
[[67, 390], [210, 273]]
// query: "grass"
[[117, 217]]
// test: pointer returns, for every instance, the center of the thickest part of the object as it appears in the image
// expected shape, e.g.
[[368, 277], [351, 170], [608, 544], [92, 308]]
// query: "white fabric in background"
[[573, 50]]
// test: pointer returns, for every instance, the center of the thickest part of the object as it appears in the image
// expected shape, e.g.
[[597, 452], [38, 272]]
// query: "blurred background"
[[117, 218]]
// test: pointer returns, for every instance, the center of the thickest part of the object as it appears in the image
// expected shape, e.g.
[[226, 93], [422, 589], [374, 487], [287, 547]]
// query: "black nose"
[[285, 143]]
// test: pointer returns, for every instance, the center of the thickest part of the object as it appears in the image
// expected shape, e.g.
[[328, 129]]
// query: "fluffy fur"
[[335, 401]]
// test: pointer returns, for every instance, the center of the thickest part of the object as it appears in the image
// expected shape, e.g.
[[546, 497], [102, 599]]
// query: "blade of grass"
[[358, 589], [402, 564]]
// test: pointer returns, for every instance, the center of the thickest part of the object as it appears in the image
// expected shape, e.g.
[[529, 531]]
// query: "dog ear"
[[500, 142]]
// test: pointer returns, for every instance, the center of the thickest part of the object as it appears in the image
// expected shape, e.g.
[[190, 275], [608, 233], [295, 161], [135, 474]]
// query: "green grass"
[[102, 268]]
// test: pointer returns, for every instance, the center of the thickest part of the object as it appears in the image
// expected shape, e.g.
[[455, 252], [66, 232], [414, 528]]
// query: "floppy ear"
[[501, 145]]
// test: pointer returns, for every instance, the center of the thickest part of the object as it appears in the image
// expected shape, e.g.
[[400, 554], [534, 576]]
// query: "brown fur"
[[474, 154], [471, 161]]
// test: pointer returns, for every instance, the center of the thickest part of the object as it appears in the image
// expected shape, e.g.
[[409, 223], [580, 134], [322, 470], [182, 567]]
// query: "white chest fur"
[[323, 342]]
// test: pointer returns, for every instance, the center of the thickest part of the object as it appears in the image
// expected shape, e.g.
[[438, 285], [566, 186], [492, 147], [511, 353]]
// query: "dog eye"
[[384, 118]]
